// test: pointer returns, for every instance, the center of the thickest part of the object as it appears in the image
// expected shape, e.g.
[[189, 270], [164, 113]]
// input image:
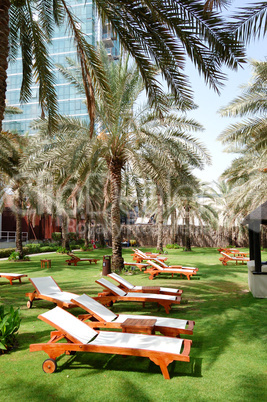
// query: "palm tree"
[[248, 140], [146, 142], [12, 153], [250, 22], [158, 35]]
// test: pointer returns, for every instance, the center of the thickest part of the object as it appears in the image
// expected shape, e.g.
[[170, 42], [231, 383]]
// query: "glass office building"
[[70, 102]]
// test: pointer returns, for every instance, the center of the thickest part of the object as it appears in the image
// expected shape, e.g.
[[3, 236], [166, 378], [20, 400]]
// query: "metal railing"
[[8, 236]]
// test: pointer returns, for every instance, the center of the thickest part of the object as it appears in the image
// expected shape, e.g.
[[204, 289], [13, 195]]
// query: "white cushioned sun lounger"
[[127, 286], [46, 288], [156, 269], [104, 318], [81, 338], [113, 293], [164, 265], [12, 277]]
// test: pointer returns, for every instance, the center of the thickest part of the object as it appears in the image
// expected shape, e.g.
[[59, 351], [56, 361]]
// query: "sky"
[[210, 102]]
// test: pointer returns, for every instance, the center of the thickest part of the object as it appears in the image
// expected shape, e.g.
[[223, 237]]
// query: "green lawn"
[[228, 355]]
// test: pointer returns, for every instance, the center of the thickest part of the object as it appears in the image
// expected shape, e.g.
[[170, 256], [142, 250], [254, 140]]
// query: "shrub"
[[46, 249], [86, 248], [5, 252], [9, 326], [33, 248], [175, 245], [15, 257], [63, 250], [72, 236], [56, 236]]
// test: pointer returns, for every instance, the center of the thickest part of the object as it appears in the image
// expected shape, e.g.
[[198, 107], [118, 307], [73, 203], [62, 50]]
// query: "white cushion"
[[151, 296], [95, 307], [111, 286], [62, 296], [60, 318], [162, 344], [121, 280], [9, 274], [45, 285]]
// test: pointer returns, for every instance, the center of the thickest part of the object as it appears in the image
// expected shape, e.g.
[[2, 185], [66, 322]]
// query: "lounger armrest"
[[191, 325], [187, 348]]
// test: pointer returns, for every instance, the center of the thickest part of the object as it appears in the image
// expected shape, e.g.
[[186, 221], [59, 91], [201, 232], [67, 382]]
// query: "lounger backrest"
[[121, 280], [162, 263], [231, 257], [77, 330], [45, 285], [155, 265], [113, 288], [96, 309], [143, 255]]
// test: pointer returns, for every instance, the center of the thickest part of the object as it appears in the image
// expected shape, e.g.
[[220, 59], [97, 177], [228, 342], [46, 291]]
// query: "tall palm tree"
[[145, 141], [12, 153], [158, 35], [248, 140]]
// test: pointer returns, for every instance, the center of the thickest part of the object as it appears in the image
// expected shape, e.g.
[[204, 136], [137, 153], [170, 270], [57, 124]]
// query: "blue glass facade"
[[70, 102]]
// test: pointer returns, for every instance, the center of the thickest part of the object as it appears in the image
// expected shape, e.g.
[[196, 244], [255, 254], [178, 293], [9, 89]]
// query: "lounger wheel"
[[49, 366], [109, 304], [29, 304]]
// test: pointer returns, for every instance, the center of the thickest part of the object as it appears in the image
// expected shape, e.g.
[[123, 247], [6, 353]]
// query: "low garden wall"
[[146, 235]]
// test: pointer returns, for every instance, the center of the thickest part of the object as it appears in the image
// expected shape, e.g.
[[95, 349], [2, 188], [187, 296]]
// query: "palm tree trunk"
[[4, 35], [173, 227], [115, 167], [86, 230], [160, 223], [18, 209], [65, 234], [101, 237], [187, 241]]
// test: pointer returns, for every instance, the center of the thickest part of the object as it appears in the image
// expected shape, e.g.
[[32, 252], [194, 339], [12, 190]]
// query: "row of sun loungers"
[[82, 333], [80, 337], [138, 333]]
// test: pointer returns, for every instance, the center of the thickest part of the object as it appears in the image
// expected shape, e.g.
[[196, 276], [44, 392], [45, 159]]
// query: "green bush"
[[33, 248], [56, 236], [175, 245], [72, 236], [63, 250], [5, 252], [47, 249], [15, 257], [9, 326], [86, 248]]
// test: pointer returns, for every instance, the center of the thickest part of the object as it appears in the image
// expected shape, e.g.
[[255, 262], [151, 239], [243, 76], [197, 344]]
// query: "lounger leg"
[[10, 280], [163, 366]]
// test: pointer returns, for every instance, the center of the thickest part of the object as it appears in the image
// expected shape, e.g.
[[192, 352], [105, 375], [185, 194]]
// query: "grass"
[[228, 355]]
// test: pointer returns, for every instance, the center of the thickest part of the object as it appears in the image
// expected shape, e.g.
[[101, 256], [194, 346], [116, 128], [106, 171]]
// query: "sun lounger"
[[47, 289], [164, 265], [80, 337], [227, 257], [140, 256], [155, 270], [128, 287], [12, 277], [113, 293], [102, 317], [75, 259]]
